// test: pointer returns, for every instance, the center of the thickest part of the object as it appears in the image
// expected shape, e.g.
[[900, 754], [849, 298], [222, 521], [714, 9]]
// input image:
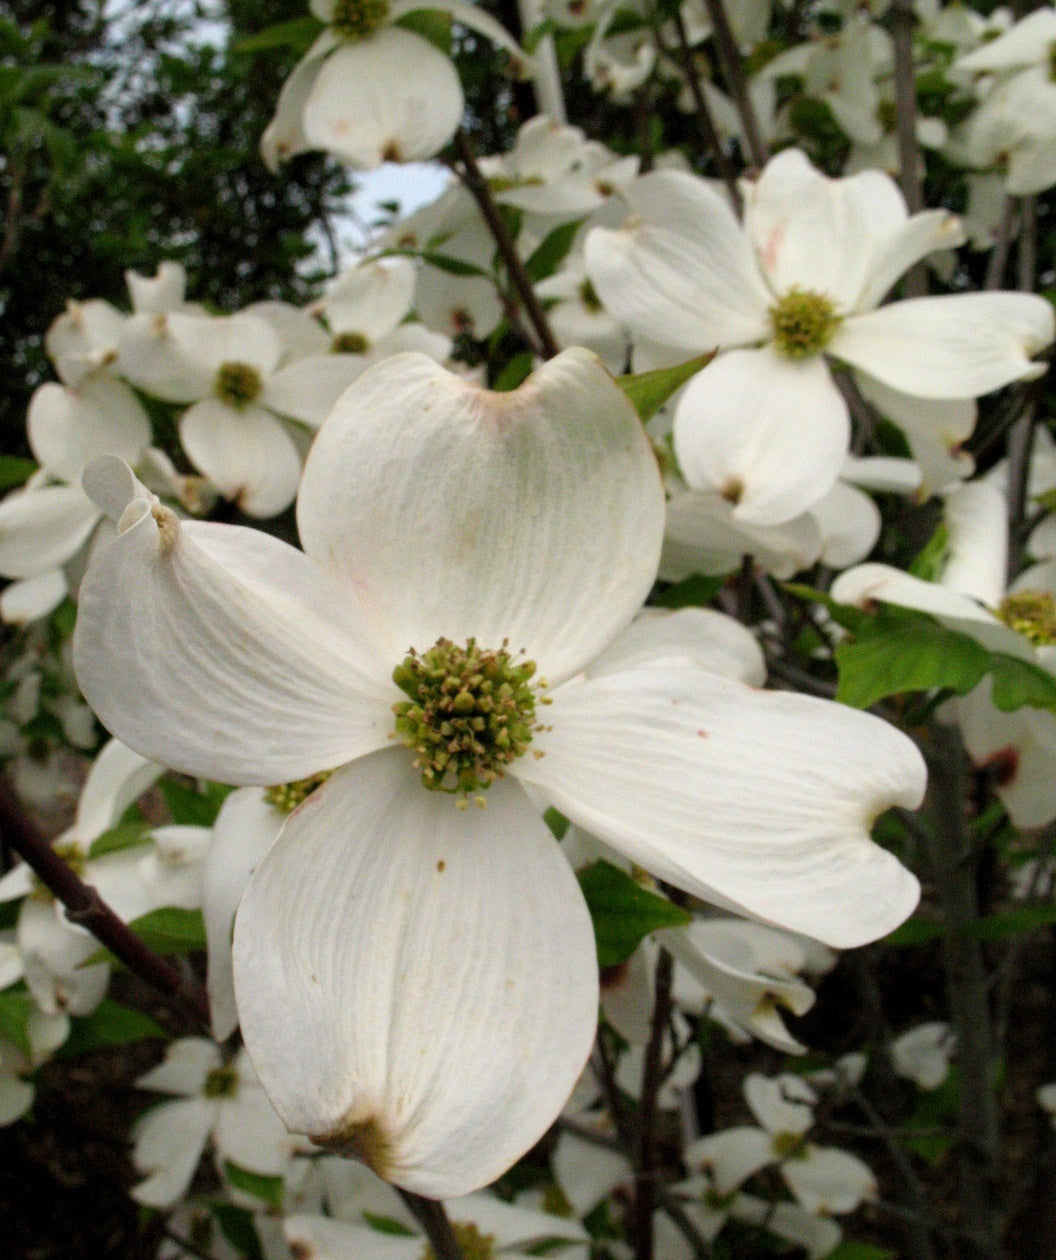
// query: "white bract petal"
[[417, 1002], [445, 551], [247, 648], [956, 346], [390, 98], [66, 427], [760, 802], [768, 434]]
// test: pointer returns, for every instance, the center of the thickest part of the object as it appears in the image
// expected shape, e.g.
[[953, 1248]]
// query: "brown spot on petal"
[[733, 491], [441, 866], [1003, 766], [365, 1140], [301, 1251], [392, 152], [702, 734]]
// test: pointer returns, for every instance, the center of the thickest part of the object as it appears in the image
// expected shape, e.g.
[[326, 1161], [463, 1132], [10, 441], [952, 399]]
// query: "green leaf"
[[695, 591], [432, 24], [915, 931], [896, 650], [648, 391], [537, 34], [124, 836], [453, 266], [268, 1189], [171, 930], [388, 1225], [14, 471], [928, 563], [850, 1250], [546, 259], [557, 822], [190, 807], [16, 1006], [110, 1024], [843, 614], [623, 912], [298, 34], [236, 1225], [516, 371], [1006, 923]]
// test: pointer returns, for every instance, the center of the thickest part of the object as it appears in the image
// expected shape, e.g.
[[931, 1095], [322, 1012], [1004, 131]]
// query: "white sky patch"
[[411, 184]]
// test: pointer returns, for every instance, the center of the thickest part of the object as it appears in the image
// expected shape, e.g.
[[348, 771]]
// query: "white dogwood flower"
[[416, 982], [801, 282]]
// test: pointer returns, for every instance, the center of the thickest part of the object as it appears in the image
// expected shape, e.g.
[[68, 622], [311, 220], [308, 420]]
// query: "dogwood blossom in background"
[[766, 426]]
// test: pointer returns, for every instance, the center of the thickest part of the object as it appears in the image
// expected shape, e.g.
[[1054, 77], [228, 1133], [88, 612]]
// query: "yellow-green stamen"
[[356, 19], [237, 384], [470, 713], [804, 322], [1031, 613], [285, 797], [221, 1083], [588, 296], [472, 1243], [789, 1145], [349, 343]]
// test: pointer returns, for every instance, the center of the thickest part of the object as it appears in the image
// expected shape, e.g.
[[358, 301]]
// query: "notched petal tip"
[[365, 1140], [111, 485]]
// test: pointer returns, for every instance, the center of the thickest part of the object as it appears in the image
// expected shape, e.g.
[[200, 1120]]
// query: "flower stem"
[[705, 123], [87, 909], [432, 1216], [736, 81], [477, 185], [953, 871], [646, 1170]]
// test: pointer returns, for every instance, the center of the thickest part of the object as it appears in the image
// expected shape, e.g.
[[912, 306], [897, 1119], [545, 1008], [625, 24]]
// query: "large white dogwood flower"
[[764, 423], [417, 982]]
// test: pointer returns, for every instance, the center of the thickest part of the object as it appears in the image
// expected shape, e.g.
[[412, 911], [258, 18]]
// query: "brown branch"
[[903, 20], [87, 909], [705, 123], [432, 1216], [645, 1170], [736, 81], [477, 185]]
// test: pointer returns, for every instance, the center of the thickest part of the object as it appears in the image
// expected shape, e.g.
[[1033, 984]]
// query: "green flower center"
[[887, 116], [74, 857], [1052, 62], [507, 183], [470, 713], [237, 384], [804, 323], [472, 1243], [1032, 613], [221, 1083], [356, 19], [589, 297], [789, 1145], [285, 797], [349, 343]]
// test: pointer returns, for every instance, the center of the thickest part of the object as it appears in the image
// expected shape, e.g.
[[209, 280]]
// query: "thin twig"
[[432, 1216], [736, 80], [995, 271], [699, 1245], [903, 20], [705, 123], [645, 1170], [477, 185], [86, 908], [953, 873]]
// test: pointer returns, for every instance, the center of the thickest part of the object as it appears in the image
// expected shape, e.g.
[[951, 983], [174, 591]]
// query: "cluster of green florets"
[[789, 1145], [285, 797], [1052, 62], [804, 323], [221, 1082], [589, 297], [470, 713], [237, 384], [1032, 613], [472, 1243], [349, 343], [356, 19]]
